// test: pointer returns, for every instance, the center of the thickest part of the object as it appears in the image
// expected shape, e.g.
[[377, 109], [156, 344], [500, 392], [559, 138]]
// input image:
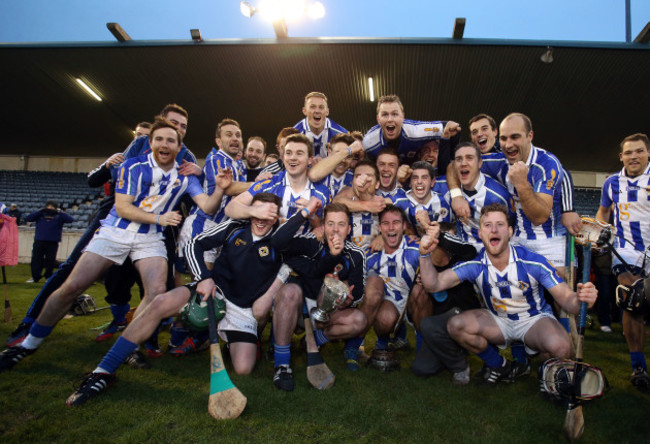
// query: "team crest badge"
[[523, 286], [263, 251], [551, 181]]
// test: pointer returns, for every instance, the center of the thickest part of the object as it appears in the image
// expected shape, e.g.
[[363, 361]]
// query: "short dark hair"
[[635, 137], [301, 138], [336, 207], [495, 208], [422, 165], [267, 197], [53, 203], [172, 107], [390, 208], [143, 125], [388, 150], [468, 144], [481, 116]]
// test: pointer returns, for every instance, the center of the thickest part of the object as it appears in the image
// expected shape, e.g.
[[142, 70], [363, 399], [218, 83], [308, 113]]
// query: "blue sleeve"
[[66, 218], [34, 216], [467, 271], [547, 179], [194, 188]]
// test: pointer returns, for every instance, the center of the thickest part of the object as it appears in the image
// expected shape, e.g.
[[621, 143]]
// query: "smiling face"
[[179, 121], [468, 166], [390, 118], [483, 135], [495, 232], [254, 154], [387, 165], [165, 146], [296, 158], [316, 111], [515, 140], [429, 152], [421, 182], [391, 227], [634, 156], [261, 227], [229, 140]]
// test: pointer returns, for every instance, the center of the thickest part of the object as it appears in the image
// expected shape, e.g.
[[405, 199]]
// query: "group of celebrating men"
[[416, 223]]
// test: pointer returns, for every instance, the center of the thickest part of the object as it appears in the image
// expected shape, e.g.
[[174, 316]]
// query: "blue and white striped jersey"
[[544, 174], [156, 191], [364, 228], [320, 141], [414, 134], [489, 191], [438, 208], [219, 159], [395, 194], [279, 185], [516, 292], [336, 184], [631, 199], [398, 270]]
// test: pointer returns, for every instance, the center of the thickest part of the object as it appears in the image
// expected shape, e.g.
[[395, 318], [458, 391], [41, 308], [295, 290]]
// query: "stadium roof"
[[582, 104]]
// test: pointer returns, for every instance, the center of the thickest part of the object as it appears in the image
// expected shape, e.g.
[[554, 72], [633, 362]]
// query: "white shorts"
[[553, 249], [237, 319], [117, 244], [515, 330], [192, 228], [632, 257]]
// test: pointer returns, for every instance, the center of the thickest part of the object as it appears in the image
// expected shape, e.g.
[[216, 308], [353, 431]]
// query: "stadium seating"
[[587, 201], [31, 189]]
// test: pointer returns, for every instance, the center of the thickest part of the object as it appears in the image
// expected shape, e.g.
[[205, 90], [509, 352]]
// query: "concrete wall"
[[26, 239]]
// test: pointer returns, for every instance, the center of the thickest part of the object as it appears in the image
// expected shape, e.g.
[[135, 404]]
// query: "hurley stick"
[[318, 373], [574, 422], [226, 401]]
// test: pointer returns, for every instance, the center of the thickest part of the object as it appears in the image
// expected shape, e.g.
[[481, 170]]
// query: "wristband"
[[455, 192], [425, 255], [157, 219], [349, 151], [306, 213]]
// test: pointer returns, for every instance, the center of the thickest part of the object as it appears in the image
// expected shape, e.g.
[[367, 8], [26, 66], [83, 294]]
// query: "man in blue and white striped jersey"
[[511, 280]]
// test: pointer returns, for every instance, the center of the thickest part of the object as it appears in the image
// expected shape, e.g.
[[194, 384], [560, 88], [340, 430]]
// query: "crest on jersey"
[[177, 183], [523, 286], [551, 181], [263, 251]]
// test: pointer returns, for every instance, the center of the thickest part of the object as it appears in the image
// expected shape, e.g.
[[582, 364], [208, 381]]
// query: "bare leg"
[[285, 315], [374, 293], [419, 305], [344, 324], [474, 329], [88, 269], [163, 306], [153, 271], [243, 356], [549, 338], [386, 318]]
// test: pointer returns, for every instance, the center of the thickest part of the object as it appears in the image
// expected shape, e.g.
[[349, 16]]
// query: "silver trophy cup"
[[332, 294]]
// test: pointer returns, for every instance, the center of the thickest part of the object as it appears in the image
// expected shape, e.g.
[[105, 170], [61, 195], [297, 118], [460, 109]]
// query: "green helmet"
[[194, 314]]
